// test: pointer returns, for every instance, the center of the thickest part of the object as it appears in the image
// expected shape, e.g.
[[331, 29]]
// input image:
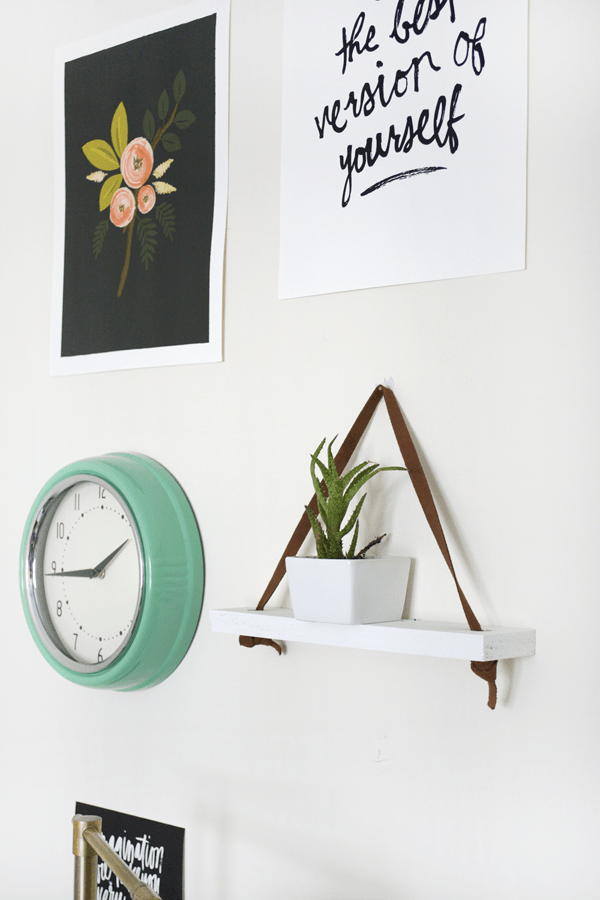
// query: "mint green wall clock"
[[112, 572]]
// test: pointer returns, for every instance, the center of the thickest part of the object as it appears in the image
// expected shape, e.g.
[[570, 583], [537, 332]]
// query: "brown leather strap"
[[246, 641], [423, 492], [488, 671], [485, 670]]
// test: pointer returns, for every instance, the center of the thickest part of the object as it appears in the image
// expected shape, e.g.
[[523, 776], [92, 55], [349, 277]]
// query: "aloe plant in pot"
[[344, 587]]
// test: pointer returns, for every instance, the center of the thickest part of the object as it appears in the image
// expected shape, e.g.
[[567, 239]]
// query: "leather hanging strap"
[[485, 670], [423, 492]]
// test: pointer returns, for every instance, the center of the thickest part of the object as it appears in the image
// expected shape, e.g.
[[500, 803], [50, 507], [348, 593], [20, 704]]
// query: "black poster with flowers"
[[139, 185]]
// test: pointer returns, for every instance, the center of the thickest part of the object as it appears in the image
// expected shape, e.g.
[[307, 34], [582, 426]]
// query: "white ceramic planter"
[[348, 591]]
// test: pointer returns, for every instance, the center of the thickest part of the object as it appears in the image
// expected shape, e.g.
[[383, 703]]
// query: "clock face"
[[88, 573], [112, 572]]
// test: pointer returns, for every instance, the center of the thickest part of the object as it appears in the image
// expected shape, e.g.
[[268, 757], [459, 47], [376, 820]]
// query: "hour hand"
[[78, 573], [98, 571]]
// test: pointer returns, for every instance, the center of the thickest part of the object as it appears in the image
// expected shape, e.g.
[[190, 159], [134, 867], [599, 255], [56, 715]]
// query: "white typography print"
[[404, 142], [142, 857]]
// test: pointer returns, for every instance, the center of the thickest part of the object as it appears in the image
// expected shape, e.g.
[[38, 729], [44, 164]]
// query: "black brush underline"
[[401, 176]]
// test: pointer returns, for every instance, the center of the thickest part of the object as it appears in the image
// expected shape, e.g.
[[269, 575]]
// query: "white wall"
[[329, 774]]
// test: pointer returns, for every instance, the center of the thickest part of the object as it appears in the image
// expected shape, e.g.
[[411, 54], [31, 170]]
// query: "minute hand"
[[99, 569]]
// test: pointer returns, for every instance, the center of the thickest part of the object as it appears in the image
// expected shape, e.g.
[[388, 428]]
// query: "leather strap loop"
[[246, 641], [485, 670], [423, 492]]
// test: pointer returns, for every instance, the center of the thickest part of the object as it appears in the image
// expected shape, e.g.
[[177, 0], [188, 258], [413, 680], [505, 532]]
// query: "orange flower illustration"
[[132, 162], [146, 198], [137, 161], [122, 207]]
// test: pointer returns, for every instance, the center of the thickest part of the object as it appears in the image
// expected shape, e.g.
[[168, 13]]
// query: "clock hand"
[[78, 573], [88, 573], [98, 571]]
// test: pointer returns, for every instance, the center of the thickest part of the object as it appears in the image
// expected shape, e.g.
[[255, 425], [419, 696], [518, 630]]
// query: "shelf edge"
[[408, 636]]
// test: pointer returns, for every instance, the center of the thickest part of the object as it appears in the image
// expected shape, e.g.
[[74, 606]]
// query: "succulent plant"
[[334, 498]]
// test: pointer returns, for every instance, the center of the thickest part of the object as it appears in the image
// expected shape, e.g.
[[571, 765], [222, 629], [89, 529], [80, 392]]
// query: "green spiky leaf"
[[334, 495], [316, 483], [350, 475], [367, 474], [352, 549], [353, 518], [316, 527], [360, 480]]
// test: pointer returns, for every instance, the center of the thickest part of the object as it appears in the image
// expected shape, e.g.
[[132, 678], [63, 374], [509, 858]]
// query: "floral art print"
[[135, 161], [140, 187]]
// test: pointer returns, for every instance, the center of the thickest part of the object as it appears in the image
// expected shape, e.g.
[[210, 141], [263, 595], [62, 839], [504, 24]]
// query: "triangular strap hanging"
[[485, 670]]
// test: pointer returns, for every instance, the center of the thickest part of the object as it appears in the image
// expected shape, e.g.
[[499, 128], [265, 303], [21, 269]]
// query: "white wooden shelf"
[[411, 636]]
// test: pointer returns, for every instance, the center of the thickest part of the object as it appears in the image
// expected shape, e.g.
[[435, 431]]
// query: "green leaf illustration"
[[101, 155], [118, 130], [166, 219], [149, 126], [171, 142], [100, 232], [109, 189], [146, 232], [184, 119], [163, 106], [179, 86]]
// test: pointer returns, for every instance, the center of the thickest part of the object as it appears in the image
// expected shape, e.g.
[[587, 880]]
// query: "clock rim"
[[173, 562]]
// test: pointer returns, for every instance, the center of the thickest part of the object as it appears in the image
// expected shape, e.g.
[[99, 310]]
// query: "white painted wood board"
[[411, 636]]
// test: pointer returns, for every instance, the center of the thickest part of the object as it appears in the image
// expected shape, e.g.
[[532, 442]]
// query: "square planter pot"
[[348, 591]]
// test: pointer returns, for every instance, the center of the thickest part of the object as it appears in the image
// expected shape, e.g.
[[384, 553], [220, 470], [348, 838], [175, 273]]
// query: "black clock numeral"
[[60, 530], [100, 657], [75, 635], [53, 566], [77, 502], [59, 608], [101, 492]]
